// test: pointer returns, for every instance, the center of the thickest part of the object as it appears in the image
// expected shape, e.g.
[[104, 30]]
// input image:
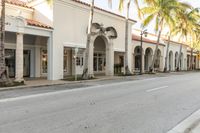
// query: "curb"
[[73, 82], [54, 84], [189, 125]]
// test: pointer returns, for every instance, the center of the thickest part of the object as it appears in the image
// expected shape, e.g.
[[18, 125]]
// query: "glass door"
[[99, 62]]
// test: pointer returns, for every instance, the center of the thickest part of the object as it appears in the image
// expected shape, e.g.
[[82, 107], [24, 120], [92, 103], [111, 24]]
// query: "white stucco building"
[[50, 41]]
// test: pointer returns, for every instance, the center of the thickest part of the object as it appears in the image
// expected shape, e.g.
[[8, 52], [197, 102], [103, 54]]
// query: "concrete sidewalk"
[[189, 125], [41, 82], [32, 83]]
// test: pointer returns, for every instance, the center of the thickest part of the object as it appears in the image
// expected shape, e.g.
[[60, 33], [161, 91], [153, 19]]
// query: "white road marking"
[[66, 91], [155, 89]]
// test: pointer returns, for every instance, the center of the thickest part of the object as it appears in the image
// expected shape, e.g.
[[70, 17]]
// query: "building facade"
[[50, 41]]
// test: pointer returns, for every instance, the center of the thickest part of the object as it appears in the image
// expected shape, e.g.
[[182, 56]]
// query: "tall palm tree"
[[121, 3], [85, 74], [167, 53], [4, 77], [193, 18], [162, 12], [185, 29], [169, 34]]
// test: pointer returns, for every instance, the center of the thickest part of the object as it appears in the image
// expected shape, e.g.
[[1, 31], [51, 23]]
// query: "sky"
[[133, 12]]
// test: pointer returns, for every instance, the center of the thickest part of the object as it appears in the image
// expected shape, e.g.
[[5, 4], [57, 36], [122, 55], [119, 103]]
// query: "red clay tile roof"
[[86, 4], [138, 38], [177, 42], [37, 24], [18, 3]]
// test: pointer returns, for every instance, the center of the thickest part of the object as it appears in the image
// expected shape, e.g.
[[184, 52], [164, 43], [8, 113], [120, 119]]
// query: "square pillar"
[[90, 59], [19, 71], [143, 62], [37, 62], [50, 59], [109, 59]]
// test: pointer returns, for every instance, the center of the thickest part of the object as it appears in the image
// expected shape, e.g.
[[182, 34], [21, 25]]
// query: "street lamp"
[[145, 33]]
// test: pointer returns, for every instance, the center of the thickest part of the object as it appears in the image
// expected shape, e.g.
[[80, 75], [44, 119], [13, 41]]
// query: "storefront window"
[[10, 61], [44, 61]]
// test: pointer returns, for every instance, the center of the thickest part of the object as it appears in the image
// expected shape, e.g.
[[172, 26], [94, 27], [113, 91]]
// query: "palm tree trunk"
[[85, 74], [3, 72], [157, 44], [127, 69], [167, 54], [179, 58]]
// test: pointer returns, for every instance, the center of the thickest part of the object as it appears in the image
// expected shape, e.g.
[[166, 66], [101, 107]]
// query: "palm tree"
[[85, 74], [4, 77], [126, 61], [185, 29], [162, 12], [193, 18], [167, 53], [169, 34], [194, 45]]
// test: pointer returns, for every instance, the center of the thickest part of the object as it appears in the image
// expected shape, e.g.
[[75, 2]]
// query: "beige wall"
[[12, 10], [70, 25]]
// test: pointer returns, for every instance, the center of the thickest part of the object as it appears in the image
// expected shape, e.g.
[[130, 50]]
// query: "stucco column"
[[19, 58], [90, 58], [143, 62], [133, 63], [37, 61], [50, 68], [109, 59]]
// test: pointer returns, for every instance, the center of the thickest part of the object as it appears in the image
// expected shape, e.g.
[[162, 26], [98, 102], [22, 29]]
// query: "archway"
[[137, 53], [148, 58], [99, 60], [157, 61], [176, 60], [170, 61]]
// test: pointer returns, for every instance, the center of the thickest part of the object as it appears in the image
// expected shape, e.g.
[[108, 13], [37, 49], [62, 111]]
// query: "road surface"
[[152, 105]]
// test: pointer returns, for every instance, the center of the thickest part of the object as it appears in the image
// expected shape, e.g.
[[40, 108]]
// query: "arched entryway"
[[157, 61], [148, 58], [99, 60], [170, 61], [176, 60], [137, 53]]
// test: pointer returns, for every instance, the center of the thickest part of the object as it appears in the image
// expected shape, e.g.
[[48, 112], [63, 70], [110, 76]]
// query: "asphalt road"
[[152, 105]]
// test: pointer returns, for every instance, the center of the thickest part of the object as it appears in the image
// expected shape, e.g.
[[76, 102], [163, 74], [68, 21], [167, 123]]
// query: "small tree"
[[121, 3]]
